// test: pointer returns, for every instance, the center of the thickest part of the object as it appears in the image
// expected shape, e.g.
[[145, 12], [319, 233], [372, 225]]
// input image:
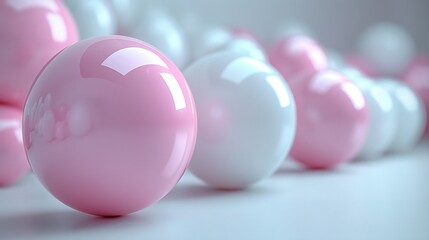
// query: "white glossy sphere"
[[93, 18], [157, 28], [246, 119], [245, 48], [382, 115], [387, 47], [207, 39], [411, 115]]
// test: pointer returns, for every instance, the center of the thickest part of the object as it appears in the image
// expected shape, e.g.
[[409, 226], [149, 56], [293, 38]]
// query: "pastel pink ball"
[[31, 33], [239, 32], [294, 55], [332, 119], [417, 77], [13, 161], [110, 126]]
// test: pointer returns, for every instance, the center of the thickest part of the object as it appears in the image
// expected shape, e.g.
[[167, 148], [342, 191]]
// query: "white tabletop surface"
[[381, 199]]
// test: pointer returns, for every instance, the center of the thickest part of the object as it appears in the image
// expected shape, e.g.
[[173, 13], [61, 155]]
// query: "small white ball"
[[387, 47], [206, 39], [411, 115], [246, 119], [382, 115]]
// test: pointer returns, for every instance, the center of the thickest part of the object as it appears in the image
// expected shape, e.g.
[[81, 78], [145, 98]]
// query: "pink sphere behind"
[[13, 161], [294, 55], [332, 119], [110, 126], [417, 77], [31, 33]]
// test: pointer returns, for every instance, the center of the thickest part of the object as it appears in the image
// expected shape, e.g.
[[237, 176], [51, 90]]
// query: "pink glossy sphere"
[[417, 77], [110, 125], [332, 119], [31, 33], [13, 161], [296, 55]]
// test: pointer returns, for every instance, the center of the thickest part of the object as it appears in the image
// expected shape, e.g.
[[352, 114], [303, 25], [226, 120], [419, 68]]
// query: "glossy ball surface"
[[13, 161], [387, 47], [296, 55], [109, 126], [31, 33], [93, 18], [382, 116], [332, 119], [416, 76], [411, 115], [246, 120]]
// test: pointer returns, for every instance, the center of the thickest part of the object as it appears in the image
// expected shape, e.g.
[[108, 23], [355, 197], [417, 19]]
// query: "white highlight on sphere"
[[387, 47]]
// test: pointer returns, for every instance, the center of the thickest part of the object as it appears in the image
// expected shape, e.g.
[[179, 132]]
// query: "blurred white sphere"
[[126, 12], [157, 28], [387, 47], [93, 18], [383, 118], [411, 115], [206, 39], [335, 59]]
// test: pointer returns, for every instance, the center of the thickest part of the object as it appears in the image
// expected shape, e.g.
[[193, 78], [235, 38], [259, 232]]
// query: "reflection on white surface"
[[242, 68], [21, 5], [178, 152], [355, 94], [383, 97], [6, 124], [58, 27], [128, 59], [407, 98], [279, 88], [325, 81], [175, 90]]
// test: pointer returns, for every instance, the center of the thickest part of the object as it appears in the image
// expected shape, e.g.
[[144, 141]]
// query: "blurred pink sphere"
[[13, 161], [332, 119], [296, 55], [32, 32]]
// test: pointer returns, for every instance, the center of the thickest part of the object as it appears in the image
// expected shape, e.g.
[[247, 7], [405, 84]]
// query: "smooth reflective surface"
[[416, 76], [93, 18], [13, 161], [246, 119], [294, 55], [110, 126], [332, 119], [31, 33], [411, 115], [382, 116]]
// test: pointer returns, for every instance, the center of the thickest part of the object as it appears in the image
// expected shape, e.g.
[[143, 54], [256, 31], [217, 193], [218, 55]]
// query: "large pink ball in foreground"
[[13, 161], [110, 126], [417, 77], [332, 119], [296, 55], [31, 33]]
